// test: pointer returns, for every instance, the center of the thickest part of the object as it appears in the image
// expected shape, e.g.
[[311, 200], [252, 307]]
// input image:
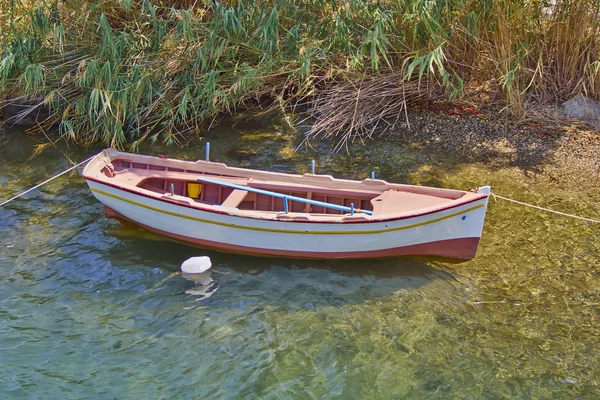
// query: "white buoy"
[[196, 265]]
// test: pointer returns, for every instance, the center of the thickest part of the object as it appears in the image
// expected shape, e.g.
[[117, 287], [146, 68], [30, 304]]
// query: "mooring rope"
[[545, 209], [46, 181]]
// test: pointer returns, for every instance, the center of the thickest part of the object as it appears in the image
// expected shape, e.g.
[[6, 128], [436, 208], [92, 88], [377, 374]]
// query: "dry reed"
[[124, 71]]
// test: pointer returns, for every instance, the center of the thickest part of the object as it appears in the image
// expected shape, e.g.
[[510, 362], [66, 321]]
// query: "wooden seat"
[[235, 198], [392, 201]]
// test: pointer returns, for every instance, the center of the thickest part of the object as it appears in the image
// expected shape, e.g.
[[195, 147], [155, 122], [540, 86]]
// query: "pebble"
[[570, 381]]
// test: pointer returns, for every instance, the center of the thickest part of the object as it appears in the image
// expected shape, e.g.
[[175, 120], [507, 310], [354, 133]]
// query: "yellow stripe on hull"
[[303, 232]]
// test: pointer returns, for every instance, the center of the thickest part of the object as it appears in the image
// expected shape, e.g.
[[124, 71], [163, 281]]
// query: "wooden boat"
[[261, 213]]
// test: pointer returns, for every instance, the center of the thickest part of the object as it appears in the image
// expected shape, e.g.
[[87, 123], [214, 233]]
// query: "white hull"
[[449, 233]]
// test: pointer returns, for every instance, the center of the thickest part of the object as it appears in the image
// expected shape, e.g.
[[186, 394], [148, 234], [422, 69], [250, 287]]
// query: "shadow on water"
[[166, 251], [351, 281]]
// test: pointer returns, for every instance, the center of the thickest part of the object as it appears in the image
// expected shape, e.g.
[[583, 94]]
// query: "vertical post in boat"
[[373, 175], [351, 208], [313, 166], [207, 151], [285, 204]]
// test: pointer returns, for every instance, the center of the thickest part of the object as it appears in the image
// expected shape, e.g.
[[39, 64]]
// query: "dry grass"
[[124, 71], [372, 105]]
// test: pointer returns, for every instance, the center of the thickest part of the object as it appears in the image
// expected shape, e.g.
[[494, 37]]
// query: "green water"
[[90, 309]]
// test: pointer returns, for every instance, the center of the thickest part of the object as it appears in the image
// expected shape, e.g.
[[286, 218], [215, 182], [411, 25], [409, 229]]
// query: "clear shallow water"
[[89, 308]]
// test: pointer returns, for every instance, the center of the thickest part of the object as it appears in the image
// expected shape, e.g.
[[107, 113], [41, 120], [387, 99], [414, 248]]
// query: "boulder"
[[582, 107]]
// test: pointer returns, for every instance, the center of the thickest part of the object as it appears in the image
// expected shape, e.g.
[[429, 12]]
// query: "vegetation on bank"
[[124, 71]]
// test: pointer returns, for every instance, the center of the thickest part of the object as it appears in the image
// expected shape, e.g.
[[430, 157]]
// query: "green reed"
[[120, 72]]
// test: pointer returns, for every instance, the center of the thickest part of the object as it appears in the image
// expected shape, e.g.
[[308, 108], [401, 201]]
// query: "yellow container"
[[194, 190]]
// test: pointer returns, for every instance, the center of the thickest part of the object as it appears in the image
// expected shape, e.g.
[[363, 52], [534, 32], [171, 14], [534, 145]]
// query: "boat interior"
[[184, 184]]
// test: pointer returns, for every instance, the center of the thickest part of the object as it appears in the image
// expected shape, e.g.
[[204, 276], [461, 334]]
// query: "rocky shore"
[[555, 149], [547, 147]]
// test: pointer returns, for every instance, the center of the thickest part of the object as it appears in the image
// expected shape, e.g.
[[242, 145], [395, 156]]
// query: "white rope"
[[46, 181], [545, 209]]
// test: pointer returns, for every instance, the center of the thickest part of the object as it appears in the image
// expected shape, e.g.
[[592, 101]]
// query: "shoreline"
[[561, 151]]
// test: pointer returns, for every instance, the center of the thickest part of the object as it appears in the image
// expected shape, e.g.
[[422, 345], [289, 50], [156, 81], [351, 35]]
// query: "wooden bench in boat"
[[393, 201], [235, 198]]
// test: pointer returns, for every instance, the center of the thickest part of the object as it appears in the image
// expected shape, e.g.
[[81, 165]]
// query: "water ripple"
[[89, 309]]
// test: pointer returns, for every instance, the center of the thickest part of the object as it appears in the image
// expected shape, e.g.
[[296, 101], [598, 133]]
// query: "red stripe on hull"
[[456, 250]]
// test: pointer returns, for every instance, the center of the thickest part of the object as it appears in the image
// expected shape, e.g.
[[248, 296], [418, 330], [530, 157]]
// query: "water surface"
[[92, 309]]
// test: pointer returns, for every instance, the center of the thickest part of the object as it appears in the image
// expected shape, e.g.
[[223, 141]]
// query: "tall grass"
[[123, 71]]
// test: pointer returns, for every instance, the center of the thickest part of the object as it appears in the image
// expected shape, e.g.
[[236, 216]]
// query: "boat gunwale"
[[112, 155], [342, 219]]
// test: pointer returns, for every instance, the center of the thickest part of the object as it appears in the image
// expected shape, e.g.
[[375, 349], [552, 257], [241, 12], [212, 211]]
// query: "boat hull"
[[451, 233]]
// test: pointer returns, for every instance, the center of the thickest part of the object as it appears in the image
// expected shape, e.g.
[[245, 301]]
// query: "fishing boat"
[[261, 213]]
